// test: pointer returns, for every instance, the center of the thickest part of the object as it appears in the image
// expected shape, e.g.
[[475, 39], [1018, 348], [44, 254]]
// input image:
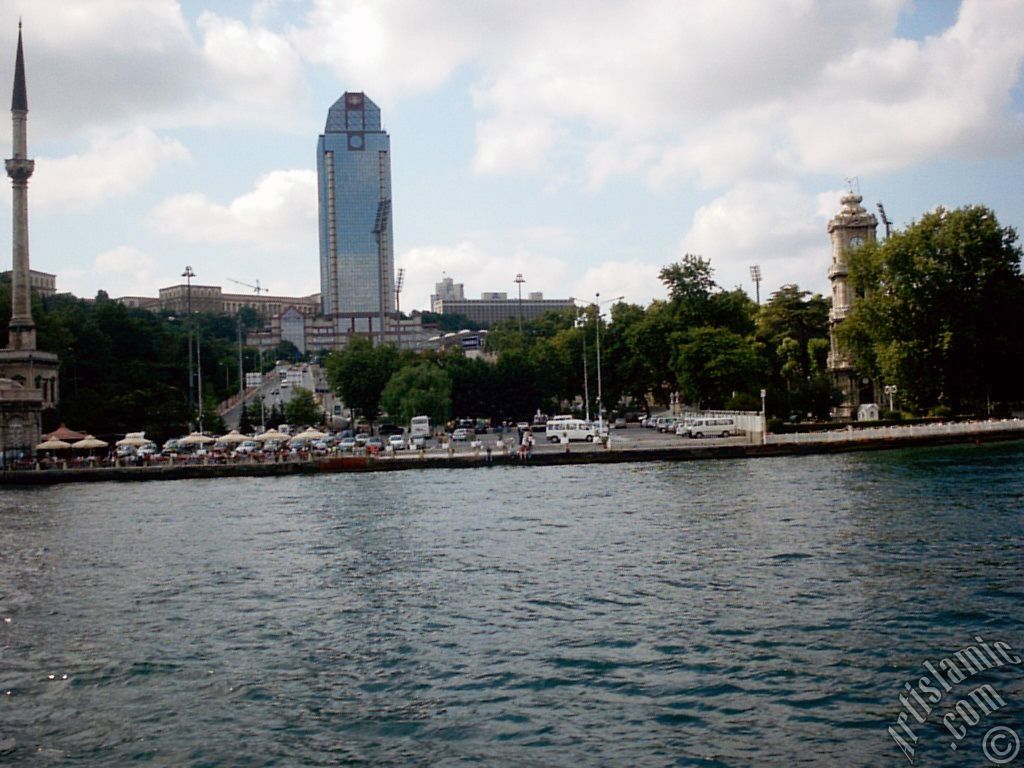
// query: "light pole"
[[755, 275], [188, 274], [586, 384], [597, 336], [764, 419], [519, 283], [890, 390]]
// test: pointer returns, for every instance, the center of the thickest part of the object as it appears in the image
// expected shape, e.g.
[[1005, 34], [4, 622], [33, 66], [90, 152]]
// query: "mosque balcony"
[[20, 168]]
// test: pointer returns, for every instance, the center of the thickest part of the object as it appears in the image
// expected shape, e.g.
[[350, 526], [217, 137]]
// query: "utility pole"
[[519, 282], [188, 274]]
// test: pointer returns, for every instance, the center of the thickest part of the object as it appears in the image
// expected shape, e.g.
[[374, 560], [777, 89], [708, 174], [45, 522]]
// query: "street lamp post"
[[519, 283], [586, 383], [764, 419], [890, 390], [597, 336], [188, 274]]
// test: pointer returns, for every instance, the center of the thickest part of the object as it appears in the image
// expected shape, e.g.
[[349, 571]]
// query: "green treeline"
[[124, 369], [937, 312]]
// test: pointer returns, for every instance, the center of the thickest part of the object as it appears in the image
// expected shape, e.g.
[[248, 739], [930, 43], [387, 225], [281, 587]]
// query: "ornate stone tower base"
[[849, 229]]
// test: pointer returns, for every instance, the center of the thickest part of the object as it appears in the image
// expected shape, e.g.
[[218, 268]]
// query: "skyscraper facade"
[[357, 264]]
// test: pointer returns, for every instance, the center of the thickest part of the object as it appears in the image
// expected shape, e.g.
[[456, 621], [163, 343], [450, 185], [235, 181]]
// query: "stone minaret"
[[849, 229], [20, 360]]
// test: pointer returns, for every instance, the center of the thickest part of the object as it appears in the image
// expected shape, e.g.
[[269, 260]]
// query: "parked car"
[[170, 447], [362, 438], [620, 423], [386, 430], [375, 444], [247, 448], [418, 442], [149, 449], [460, 434], [397, 442], [347, 444]]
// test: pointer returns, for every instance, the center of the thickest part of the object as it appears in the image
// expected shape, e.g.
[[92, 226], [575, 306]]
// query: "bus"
[[419, 426]]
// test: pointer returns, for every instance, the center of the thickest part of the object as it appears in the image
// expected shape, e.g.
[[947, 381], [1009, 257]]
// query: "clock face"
[[856, 242], [355, 141]]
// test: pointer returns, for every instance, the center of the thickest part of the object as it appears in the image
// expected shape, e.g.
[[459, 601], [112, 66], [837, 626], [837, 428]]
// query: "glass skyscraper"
[[357, 264]]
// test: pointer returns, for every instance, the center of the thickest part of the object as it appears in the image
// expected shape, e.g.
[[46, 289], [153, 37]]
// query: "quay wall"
[[694, 452]]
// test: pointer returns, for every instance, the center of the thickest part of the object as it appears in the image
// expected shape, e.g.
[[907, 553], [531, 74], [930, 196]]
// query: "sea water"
[[767, 612]]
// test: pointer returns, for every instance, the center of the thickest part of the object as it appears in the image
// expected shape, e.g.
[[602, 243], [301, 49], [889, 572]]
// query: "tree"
[[287, 350], [359, 372], [302, 408], [938, 311], [792, 326], [423, 389], [689, 282], [714, 364], [244, 422]]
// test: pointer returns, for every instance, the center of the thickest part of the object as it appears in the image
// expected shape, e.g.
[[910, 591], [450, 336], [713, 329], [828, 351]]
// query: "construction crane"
[[885, 221], [256, 287], [399, 280]]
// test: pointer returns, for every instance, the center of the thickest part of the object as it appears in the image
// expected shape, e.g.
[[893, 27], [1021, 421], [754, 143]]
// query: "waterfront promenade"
[[632, 445]]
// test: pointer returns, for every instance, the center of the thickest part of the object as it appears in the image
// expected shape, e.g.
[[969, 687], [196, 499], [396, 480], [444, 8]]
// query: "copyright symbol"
[[1000, 745]]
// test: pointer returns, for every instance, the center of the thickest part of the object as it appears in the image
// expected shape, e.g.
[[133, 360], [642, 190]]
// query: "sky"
[[584, 146]]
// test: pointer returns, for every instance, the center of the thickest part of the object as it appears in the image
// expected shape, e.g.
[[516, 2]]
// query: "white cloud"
[[390, 48], [775, 225], [121, 271], [278, 215], [255, 71], [634, 280], [102, 63], [705, 89], [113, 167]]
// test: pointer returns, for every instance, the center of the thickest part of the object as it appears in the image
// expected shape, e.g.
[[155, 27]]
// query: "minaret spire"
[[31, 369], [19, 100], [21, 331]]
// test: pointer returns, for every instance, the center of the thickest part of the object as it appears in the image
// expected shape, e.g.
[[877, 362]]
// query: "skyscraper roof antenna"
[[853, 184]]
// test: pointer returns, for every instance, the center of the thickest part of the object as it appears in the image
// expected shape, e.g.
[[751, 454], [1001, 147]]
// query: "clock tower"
[[849, 229]]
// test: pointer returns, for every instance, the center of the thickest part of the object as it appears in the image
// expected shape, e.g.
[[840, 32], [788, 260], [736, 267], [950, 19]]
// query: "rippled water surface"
[[723, 613]]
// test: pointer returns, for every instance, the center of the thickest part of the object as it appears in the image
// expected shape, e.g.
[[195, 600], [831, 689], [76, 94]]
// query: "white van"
[[567, 430], [714, 426]]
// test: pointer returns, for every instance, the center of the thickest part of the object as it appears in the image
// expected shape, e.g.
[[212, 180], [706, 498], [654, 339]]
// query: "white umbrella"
[[272, 434], [196, 439], [53, 445], [89, 442], [234, 436], [310, 434], [135, 441]]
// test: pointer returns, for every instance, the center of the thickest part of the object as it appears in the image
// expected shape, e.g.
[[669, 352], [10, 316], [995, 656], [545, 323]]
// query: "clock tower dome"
[[849, 229]]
